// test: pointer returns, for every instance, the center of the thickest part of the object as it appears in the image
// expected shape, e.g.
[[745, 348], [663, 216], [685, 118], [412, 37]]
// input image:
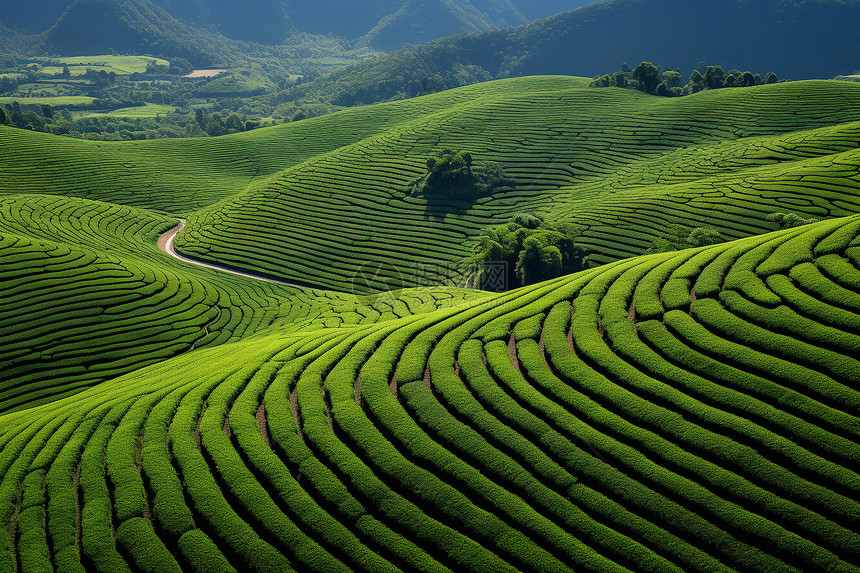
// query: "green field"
[[54, 101], [52, 89], [696, 410], [120, 65], [148, 110]]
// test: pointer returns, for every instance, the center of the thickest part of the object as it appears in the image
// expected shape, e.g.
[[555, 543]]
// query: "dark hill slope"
[[133, 26], [798, 40], [795, 40], [382, 24], [390, 24], [32, 17], [418, 21], [534, 9]]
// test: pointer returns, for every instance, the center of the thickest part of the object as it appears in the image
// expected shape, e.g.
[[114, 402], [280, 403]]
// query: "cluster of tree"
[[789, 220], [16, 116], [679, 237], [527, 251], [454, 175], [215, 124], [10, 83], [99, 77], [201, 123], [652, 79]]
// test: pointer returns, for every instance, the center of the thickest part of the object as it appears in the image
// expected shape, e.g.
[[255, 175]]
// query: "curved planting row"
[[693, 411], [86, 296], [623, 164], [182, 175]]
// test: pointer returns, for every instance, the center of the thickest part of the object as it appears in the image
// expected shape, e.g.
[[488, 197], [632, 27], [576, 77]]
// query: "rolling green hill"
[[695, 411], [625, 165], [86, 296]]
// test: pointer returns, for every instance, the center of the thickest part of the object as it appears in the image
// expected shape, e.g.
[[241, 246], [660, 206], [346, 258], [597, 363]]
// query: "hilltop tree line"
[[652, 79], [200, 123]]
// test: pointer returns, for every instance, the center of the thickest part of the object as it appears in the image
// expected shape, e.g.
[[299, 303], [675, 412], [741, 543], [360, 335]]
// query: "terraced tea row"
[[695, 411], [183, 175], [623, 164], [86, 296]]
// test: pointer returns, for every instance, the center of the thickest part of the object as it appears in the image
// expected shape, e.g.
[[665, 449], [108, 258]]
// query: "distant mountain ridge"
[[96, 26], [378, 24], [802, 40]]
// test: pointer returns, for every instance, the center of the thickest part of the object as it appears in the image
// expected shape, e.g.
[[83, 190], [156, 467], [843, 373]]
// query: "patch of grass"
[[120, 65], [57, 101], [147, 110]]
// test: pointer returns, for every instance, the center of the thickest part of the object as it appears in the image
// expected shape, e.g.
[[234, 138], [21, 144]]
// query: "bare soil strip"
[[512, 352], [261, 421]]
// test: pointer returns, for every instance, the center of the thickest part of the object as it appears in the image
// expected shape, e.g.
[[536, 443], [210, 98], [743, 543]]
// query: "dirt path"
[[165, 244]]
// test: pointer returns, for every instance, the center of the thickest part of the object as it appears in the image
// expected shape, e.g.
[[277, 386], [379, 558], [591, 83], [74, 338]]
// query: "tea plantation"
[[695, 410], [86, 296], [624, 165]]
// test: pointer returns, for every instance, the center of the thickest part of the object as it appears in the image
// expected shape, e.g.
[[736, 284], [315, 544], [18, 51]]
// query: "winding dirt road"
[[165, 244]]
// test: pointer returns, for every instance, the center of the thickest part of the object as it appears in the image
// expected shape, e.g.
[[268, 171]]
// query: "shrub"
[[789, 220], [453, 175], [528, 250]]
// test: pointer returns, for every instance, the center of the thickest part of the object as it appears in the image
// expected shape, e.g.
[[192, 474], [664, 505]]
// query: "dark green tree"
[[672, 78], [453, 175], [697, 82], [621, 79], [603, 81], [532, 250], [538, 261], [16, 118], [648, 77], [771, 78], [180, 67], [234, 124], [2, 115], [47, 112], [733, 79], [714, 77]]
